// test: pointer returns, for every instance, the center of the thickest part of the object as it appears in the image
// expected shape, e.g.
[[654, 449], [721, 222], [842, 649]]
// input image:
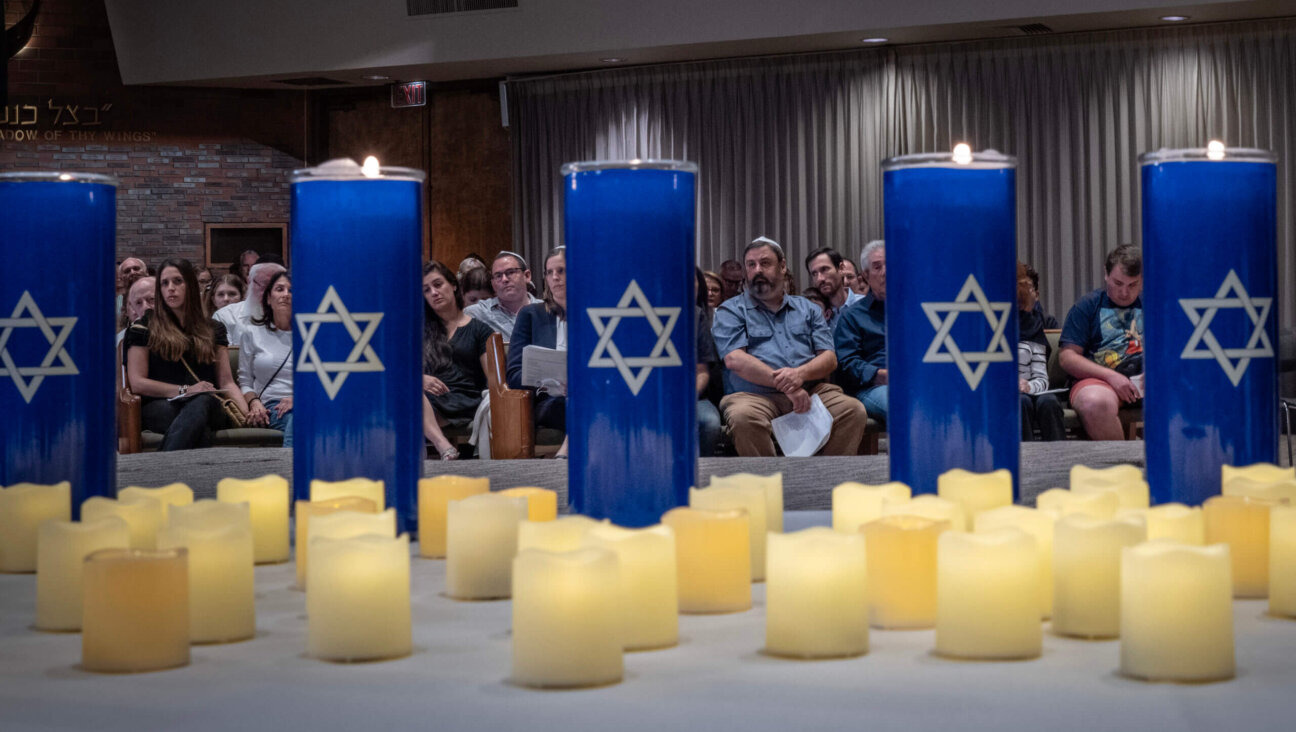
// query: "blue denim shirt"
[[792, 336], [860, 336]]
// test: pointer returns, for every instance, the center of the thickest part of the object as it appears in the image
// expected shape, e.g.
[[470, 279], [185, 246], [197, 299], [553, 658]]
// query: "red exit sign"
[[409, 94]]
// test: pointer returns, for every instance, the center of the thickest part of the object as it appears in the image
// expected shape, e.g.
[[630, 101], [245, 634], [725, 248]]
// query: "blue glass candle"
[[1210, 263], [951, 316], [632, 353], [57, 364], [358, 342]]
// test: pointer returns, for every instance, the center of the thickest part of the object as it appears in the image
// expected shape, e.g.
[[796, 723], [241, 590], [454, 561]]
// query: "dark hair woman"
[[265, 360], [177, 362], [544, 324], [708, 367], [454, 358], [475, 285], [224, 290]]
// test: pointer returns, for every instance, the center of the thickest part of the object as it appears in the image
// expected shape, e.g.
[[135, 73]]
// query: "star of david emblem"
[[606, 353], [1201, 311], [970, 299], [333, 374], [57, 346]]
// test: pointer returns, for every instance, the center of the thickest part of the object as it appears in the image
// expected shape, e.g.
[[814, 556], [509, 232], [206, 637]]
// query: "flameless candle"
[[902, 570], [142, 515], [221, 579], [173, 494], [649, 589], [209, 514], [1243, 524], [23, 507], [713, 551], [816, 594], [62, 547], [358, 597], [1259, 472], [1081, 474], [136, 610], [1282, 560], [1171, 522], [976, 492], [344, 524], [1040, 526], [988, 588], [566, 629], [564, 534], [1176, 612], [434, 494], [542, 503], [856, 504], [1269, 490], [931, 507], [1131, 492], [1060, 502], [481, 541], [374, 490], [1086, 573], [749, 498], [772, 485], [306, 510], [267, 498]]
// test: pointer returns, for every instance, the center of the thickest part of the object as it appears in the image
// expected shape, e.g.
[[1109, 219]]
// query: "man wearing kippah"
[[510, 277]]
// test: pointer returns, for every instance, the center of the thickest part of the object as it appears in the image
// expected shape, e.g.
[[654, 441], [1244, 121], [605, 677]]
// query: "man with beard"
[[731, 272], [510, 276], [826, 276], [860, 337], [778, 350]]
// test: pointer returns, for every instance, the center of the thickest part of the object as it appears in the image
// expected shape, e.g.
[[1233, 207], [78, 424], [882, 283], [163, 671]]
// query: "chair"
[[513, 431]]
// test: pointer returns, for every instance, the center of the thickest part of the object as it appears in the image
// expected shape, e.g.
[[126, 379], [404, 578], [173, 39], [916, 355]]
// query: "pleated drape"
[[790, 147]]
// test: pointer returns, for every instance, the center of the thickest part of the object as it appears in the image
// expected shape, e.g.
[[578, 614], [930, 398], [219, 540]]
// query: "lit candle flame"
[[370, 167], [64, 176], [1215, 150], [962, 153]]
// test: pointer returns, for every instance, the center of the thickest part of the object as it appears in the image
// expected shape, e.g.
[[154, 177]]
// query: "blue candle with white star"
[[1210, 268], [951, 316], [358, 330], [632, 359], [57, 362]]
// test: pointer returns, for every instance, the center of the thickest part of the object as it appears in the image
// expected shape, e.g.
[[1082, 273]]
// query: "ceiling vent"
[[441, 7], [1033, 29], [311, 81]]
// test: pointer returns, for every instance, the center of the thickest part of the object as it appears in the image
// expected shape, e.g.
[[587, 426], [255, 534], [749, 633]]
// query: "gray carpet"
[[807, 482]]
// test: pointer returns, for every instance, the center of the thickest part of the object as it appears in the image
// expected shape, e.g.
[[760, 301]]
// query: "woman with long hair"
[[178, 364], [544, 324], [714, 289], [265, 360], [224, 290], [454, 358]]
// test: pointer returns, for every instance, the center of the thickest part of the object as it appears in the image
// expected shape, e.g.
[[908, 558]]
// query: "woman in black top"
[[177, 362], [454, 358]]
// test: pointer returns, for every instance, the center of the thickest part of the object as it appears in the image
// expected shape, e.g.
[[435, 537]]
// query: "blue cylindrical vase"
[[631, 364], [951, 316], [1210, 304], [357, 385], [57, 364]]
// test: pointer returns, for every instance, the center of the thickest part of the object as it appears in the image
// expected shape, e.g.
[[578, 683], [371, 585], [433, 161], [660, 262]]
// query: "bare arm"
[[703, 378], [1074, 363], [226, 379], [790, 379], [140, 383], [749, 368]]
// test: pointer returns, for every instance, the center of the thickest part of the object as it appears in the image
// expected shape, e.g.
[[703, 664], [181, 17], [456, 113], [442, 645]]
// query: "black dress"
[[462, 375]]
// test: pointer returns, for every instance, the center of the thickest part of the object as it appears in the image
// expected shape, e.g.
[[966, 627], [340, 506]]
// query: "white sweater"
[[1032, 365], [261, 350]]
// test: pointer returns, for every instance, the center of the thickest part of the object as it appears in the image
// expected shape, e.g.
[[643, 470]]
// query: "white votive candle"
[[374, 490], [566, 629], [542, 503], [481, 541], [1243, 524], [1171, 522], [856, 504], [304, 511], [1258, 472], [649, 587], [142, 515], [136, 610], [902, 571], [1086, 573], [976, 492], [746, 497], [210, 514], [1040, 526], [344, 524], [172, 494], [713, 556], [23, 508], [1081, 474], [771, 485], [563, 534], [1268, 490], [1059, 502], [1282, 560], [267, 498], [816, 594], [358, 598], [1176, 612], [930, 507], [221, 580], [434, 495], [61, 549], [1130, 488], [987, 590]]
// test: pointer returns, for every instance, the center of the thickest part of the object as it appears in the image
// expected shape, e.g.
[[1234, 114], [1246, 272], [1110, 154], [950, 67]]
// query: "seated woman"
[[176, 361], [544, 324], [475, 285], [265, 359], [454, 358], [708, 362], [714, 289], [1038, 410], [225, 290]]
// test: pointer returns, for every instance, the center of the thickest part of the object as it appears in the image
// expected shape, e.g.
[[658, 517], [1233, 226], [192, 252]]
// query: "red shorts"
[[1089, 382]]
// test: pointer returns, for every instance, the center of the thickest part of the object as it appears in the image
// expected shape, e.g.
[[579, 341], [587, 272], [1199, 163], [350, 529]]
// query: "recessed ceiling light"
[[375, 77], [612, 60], [874, 40], [1174, 18]]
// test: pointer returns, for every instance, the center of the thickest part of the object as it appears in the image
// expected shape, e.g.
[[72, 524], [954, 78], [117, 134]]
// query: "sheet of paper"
[[801, 435], [542, 365]]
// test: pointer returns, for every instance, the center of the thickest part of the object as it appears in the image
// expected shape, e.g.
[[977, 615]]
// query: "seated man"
[[510, 276], [860, 337], [828, 277], [779, 352], [1102, 346]]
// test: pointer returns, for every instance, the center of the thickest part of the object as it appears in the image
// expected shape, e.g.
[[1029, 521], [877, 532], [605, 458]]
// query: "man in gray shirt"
[[510, 277], [779, 352]]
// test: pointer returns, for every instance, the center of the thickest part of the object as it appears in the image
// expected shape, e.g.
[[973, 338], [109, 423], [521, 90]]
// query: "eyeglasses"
[[506, 273]]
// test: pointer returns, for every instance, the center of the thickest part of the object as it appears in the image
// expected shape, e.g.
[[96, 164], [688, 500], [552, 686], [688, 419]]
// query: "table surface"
[[717, 677]]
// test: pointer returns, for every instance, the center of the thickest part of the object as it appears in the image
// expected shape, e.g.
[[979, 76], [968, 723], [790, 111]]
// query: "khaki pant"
[[749, 414]]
